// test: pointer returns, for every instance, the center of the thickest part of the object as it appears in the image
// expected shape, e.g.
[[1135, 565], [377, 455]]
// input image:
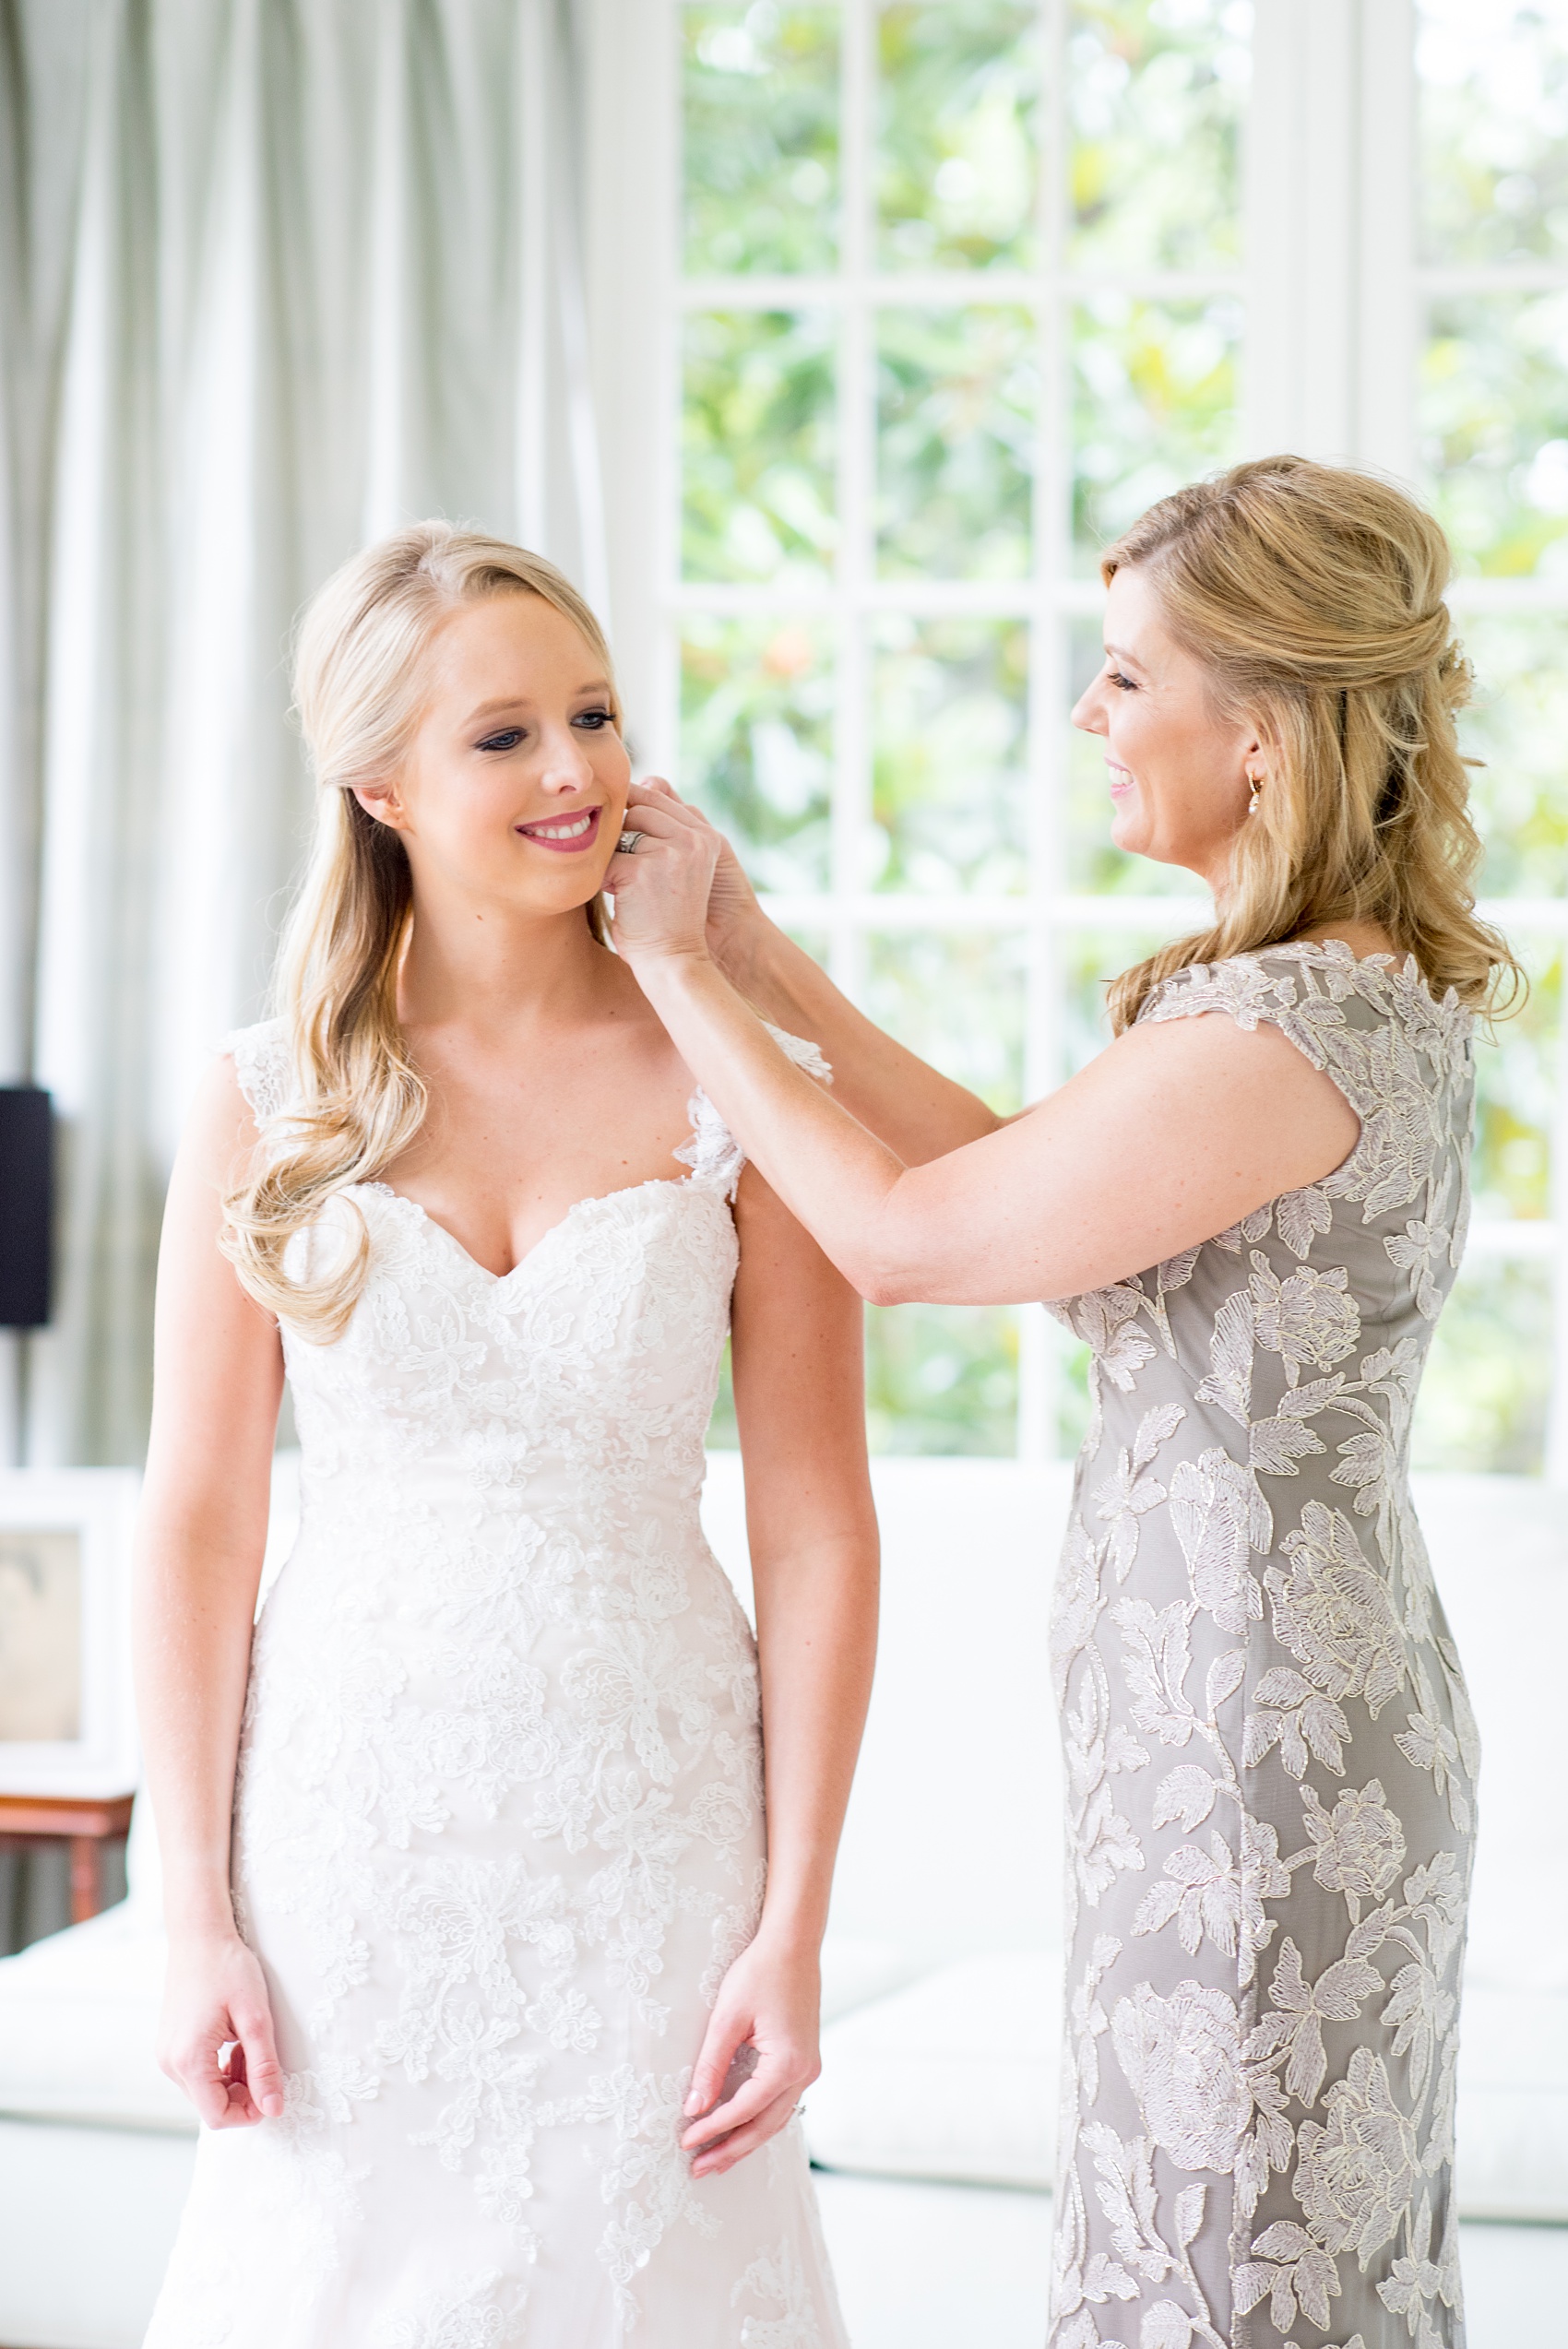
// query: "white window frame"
[[1333, 321]]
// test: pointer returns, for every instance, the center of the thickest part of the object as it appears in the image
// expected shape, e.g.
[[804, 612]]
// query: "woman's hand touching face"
[[662, 890]]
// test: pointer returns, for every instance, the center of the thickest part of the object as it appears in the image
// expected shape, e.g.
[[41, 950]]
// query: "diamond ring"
[[626, 846]]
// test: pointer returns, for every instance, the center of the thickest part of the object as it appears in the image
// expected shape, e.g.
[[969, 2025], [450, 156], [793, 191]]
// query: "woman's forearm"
[[916, 1111], [829, 1170], [816, 1643], [195, 1599]]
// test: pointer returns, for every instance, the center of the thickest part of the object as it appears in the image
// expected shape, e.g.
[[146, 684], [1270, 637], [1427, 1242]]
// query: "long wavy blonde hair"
[[360, 666], [1312, 596]]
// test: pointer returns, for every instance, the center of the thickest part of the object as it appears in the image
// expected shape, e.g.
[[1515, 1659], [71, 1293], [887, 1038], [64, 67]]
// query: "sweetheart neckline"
[[593, 1199]]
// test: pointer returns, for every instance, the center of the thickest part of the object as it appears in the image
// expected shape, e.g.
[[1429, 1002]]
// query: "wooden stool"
[[87, 1823]]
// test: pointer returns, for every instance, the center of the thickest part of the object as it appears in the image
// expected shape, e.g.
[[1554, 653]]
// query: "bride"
[[496, 2017]]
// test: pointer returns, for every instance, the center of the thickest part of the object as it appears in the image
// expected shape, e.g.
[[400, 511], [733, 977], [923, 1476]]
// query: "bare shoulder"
[[203, 1310], [220, 1134], [1206, 1089], [1214, 1050], [765, 1223], [797, 1328], [776, 1247]]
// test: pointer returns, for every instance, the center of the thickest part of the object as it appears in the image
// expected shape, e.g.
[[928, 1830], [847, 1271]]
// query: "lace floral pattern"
[[1270, 1756], [498, 1816]]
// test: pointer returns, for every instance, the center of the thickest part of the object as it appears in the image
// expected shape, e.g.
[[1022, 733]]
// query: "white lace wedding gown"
[[498, 1820]]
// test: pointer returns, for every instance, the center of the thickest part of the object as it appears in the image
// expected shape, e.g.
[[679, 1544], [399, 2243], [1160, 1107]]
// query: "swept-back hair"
[[360, 679], [1312, 596]]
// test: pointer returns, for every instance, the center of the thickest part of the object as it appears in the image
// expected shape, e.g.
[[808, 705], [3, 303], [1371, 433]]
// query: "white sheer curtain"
[[276, 275]]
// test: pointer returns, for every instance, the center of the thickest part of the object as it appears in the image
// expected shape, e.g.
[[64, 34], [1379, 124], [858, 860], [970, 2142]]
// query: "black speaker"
[[26, 1203]]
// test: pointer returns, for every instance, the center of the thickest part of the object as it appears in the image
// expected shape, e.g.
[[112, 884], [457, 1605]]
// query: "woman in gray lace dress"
[[1252, 1219]]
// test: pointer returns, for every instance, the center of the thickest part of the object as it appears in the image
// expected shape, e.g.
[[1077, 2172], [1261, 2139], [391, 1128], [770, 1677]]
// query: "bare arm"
[[800, 1402], [202, 1534], [1172, 1134], [899, 1096]]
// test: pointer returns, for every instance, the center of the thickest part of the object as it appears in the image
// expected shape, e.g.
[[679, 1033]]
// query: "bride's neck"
[[497, 966]]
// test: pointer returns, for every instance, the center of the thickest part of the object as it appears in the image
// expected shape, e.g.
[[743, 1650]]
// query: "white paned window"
[[1491, 408], [903, 308]]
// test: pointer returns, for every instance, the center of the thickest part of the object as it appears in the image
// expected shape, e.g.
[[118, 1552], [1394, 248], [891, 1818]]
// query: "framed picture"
[[67, 1723]]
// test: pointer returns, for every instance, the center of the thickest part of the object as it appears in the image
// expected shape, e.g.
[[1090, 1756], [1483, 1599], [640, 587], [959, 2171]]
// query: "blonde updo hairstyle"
[[1312, 596], [360, 679]]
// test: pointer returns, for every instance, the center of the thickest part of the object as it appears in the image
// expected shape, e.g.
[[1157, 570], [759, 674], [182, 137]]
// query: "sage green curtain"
[[274, 276]]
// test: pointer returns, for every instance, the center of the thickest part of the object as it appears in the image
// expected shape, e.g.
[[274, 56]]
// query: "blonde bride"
[[495, 1996]]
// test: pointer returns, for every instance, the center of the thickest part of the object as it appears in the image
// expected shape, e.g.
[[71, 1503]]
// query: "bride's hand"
[[215, 2038], [767, 2016], [731, 905]]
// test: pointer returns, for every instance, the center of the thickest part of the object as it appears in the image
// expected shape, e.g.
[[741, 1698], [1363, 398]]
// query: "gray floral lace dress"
[[1270, 1759]]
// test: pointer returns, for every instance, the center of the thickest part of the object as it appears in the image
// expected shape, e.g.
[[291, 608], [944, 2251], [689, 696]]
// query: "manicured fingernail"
[[693, 2106]]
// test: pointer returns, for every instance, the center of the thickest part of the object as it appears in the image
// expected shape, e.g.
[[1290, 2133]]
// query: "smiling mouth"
[[566, 834]]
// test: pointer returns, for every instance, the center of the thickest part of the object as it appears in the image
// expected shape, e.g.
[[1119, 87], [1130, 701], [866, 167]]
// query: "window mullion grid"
[[1547, 919], [632, 279], [669, 391], [945, 289], [1543, 921], [982, 598], [856, 459], [1385, 320], [529, 99], [1052, 543], [1500, 277], [1039, 1355]]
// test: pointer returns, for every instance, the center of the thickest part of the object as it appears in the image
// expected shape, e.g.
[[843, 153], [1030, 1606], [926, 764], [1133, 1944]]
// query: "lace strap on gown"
[[713, 1154], [262, 1063]]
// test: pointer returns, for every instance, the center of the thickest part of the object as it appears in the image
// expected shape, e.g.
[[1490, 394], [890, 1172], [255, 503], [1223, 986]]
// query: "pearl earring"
[[1256, 782]]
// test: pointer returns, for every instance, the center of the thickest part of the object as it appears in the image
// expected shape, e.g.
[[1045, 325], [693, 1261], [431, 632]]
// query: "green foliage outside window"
[[756, 736], [942, 1378], [1518, 1076], [761, 119], [958, 91], [1492, 169], [1518, 727], [759, 442], [1154, 404], [957, 997], [939, 1379], [1156, 92], [1148, 116], [950, 787], [957, 398], [1494, 427], [1483, 1404]]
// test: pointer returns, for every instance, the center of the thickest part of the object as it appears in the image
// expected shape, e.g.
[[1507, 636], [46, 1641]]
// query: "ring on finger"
[[626, 846]]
